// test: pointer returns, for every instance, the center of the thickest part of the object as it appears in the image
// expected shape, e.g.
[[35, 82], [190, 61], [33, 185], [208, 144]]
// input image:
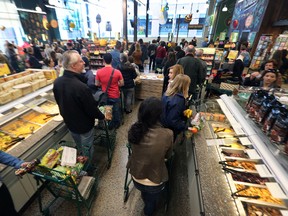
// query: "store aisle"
[[109, 200]]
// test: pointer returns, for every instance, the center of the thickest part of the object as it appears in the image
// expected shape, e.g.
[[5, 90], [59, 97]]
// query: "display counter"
[[151, 86], [235, 170], [29, 126]]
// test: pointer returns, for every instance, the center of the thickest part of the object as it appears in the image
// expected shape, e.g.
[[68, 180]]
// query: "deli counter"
[[233, 166], [29, 126]]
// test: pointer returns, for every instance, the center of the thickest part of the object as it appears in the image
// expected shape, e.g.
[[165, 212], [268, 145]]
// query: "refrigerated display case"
[[34, 125], [239, 170]]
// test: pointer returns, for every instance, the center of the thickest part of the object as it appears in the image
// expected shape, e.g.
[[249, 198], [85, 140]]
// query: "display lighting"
[[50, 6], [37, 8], [31, 11], [140, 2], [224, 9]]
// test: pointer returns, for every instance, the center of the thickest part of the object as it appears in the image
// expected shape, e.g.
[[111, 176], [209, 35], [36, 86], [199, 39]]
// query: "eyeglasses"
[[272, 70]]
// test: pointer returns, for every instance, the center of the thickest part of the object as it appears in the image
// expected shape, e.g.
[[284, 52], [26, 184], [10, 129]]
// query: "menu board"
[[280, 43], [261, 52], [232, 54]]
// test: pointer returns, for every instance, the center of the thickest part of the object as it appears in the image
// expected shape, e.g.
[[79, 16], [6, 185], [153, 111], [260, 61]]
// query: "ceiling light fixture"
[[31, 11], [224, 9], [206, 5]]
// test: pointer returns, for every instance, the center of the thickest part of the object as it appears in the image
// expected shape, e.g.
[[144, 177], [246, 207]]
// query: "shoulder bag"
[[102, 97]]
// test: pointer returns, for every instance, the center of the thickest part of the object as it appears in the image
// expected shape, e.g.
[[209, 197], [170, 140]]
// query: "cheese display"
[[18, 85]]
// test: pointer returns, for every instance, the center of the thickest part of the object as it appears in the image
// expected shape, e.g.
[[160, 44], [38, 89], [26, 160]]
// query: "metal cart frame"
[[62, 186]]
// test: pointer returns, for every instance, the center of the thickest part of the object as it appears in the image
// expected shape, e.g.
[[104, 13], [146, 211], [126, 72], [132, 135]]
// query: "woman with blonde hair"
[[174, 104], [137, 55], [173, 72]]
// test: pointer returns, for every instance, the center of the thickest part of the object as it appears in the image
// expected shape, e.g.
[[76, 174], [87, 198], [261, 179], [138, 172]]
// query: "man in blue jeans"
[[76, 103], [102, 79]]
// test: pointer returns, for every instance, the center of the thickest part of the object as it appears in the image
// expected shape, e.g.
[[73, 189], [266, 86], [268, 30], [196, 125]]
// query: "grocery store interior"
[[228, 153]]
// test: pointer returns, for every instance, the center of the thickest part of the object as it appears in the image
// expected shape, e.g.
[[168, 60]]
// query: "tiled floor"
[[110, 193]]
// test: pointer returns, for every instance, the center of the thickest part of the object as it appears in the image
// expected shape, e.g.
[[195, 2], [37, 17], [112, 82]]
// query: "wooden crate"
[[149, 88]]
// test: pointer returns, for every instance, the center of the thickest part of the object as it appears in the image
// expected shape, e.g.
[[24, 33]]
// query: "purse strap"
[[110, 80]]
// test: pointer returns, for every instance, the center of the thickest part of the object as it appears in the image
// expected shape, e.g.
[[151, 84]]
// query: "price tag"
[[275, 190], [18, 106], [238, 130], [43, 94], [245, 141], [284, 212], [252, 153], [263, 171], [215, 142]]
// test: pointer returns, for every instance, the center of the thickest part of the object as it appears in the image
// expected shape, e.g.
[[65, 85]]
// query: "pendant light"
[[224, 9]]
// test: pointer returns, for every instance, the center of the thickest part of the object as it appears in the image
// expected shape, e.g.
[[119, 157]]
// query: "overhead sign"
[[195, 26]]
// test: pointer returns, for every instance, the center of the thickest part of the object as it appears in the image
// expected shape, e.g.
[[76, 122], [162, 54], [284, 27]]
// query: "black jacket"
[[180, 54], [192, 68], [76, 103], [129, 74]]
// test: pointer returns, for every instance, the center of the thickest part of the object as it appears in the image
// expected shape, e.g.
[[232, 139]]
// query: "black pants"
[[6, 202], [152, 63]]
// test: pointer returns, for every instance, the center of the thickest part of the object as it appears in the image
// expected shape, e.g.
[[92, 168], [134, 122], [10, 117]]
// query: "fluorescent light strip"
[[140, 2], [94, 4], [31, 11], [50, 6]]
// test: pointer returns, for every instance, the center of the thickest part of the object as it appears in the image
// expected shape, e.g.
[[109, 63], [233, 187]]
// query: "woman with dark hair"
[[151, 144], [32, 60], [129, 74], [171, 60], [269, 79], [179, 52]]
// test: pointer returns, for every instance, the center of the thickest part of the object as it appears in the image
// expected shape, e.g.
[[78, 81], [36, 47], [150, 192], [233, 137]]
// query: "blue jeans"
[[150, 195], [84, 143], [128, 98], [116, 112]]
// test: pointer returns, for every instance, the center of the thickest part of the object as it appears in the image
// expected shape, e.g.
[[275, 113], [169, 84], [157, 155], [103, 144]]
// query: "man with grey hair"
[[192, 68], [76, 103], [199, 55]]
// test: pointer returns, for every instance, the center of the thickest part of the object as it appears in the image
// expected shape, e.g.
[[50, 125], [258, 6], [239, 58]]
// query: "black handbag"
[[102, 97]]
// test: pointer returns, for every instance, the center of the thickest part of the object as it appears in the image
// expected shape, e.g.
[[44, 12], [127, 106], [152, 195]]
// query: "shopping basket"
[[62, 185]]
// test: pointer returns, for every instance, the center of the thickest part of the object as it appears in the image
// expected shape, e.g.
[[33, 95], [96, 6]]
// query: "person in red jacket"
[[160, 55]]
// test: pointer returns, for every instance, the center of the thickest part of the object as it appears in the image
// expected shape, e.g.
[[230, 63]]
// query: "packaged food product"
[[50, 158], [108, 112], [279, 129], [271, 118], [255, 101], [265, 108]]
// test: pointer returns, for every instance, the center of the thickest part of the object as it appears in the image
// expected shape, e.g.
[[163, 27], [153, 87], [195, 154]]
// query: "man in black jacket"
[[192, 68], [76, 103]]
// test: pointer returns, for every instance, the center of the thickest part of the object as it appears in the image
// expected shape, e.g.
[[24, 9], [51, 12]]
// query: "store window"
[[165, 16]]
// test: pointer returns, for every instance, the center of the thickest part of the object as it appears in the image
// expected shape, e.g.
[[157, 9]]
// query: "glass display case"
[[29, 126], [233, 149]]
